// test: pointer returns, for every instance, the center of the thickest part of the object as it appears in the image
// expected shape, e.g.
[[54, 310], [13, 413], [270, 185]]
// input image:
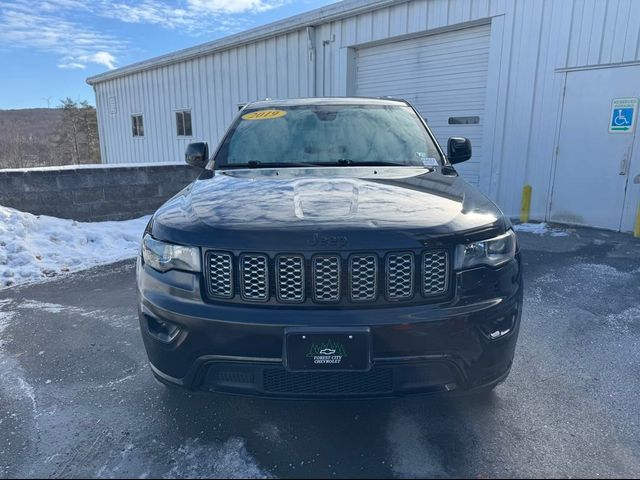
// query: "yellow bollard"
[[636, 229], [526, 204]]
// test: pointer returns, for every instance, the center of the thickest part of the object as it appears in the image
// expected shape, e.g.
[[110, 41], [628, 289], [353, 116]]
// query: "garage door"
[[444, 76]]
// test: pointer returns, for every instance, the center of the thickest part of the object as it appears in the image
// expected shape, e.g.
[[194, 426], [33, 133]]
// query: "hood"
[[238, 208]]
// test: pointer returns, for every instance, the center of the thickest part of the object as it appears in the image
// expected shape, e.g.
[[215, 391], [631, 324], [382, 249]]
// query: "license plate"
[[327, 349]]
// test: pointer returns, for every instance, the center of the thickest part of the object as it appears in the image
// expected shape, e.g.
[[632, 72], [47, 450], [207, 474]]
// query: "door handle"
[[637, 179]]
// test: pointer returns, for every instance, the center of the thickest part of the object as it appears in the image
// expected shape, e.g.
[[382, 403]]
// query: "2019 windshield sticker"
[[264, 115], [327, 353]]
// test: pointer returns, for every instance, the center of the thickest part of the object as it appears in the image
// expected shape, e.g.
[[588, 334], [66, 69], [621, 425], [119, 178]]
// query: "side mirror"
[[197, 154], [458, 149]]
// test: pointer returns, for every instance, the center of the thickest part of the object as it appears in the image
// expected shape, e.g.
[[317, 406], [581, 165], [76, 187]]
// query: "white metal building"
[[532, 83]]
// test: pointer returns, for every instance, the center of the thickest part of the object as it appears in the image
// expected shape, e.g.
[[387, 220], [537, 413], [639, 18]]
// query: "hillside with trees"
[[38, 137]]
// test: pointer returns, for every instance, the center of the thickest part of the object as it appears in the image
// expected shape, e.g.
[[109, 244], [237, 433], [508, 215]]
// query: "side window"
[[138, 127], [464, 120], [183, 123]]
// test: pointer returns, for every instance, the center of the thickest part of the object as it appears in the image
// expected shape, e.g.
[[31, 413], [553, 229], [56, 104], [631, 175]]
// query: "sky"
[[49, 47]]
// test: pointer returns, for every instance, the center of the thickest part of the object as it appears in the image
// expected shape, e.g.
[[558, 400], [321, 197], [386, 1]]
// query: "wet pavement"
[[77, 398]]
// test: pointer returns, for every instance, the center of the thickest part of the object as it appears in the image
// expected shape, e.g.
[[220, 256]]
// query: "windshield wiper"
[[259, 164], [341, 162], [346, 162]]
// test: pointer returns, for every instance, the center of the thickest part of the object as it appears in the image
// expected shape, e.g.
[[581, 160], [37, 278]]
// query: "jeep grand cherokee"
[[328, 249]]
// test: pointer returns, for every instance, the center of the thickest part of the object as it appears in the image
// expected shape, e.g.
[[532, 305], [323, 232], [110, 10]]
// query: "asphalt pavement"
[[77, 398]]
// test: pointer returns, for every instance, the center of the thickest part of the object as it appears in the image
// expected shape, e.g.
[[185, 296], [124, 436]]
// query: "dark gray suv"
[[329, 248]]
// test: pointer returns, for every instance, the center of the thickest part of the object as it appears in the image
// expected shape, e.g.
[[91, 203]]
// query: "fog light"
[[498, 327], [498, 333], [161, 330]]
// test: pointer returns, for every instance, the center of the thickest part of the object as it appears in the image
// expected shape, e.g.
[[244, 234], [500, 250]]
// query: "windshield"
[[313, 135]]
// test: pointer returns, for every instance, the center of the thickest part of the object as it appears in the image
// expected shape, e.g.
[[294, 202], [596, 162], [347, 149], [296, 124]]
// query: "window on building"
[[463, 120], [138, 127], [183, 122]]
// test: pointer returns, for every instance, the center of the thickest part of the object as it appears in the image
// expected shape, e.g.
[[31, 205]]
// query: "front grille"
[[220, 274], [399, 276], [359, 278], [254, 277], [326, 278], [364, 277], [279, 380], [435, 272], [290, 278]]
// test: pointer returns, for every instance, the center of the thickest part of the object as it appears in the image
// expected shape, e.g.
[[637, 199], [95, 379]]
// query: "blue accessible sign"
[[623, 115]]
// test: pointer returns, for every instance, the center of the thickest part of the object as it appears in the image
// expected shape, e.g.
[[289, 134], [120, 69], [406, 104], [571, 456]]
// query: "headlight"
[[166, 256], [492, 252]]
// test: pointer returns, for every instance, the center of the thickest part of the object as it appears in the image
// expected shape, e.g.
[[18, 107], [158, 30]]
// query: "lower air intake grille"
[[278, 380]]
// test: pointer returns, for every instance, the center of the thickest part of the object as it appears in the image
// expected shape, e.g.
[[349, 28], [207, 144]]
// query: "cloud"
[[37, 26], [234, 6], [191, 16], [70, 64], [56, 5], [100, 58], [148, 11], [69, 29]]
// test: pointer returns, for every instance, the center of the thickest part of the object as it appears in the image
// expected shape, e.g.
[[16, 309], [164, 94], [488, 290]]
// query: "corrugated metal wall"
[[211, 86], [532, 43]]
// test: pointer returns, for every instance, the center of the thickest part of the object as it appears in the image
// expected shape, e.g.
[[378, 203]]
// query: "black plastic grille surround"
[[328, 278]]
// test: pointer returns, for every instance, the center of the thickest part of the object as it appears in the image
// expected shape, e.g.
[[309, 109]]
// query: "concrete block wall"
[[93, 192]]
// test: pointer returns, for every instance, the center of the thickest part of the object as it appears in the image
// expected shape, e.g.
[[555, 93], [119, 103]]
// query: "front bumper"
[[416, 349]]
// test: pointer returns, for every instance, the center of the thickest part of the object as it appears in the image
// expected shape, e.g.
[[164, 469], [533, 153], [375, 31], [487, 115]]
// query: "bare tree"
[[79, 131], [72, 125], [15, 149], [90, 121]]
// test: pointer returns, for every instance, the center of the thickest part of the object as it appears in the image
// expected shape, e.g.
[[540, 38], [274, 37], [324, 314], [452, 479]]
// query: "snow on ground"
[[36, 247], [539, 229], [229, 460]]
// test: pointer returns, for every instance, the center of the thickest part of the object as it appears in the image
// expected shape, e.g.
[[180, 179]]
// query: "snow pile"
[[539, 229], [36, 247], [624, 321], [229, 460]]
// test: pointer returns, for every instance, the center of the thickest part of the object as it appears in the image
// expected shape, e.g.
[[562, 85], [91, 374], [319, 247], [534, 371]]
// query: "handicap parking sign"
[[623, 115]]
